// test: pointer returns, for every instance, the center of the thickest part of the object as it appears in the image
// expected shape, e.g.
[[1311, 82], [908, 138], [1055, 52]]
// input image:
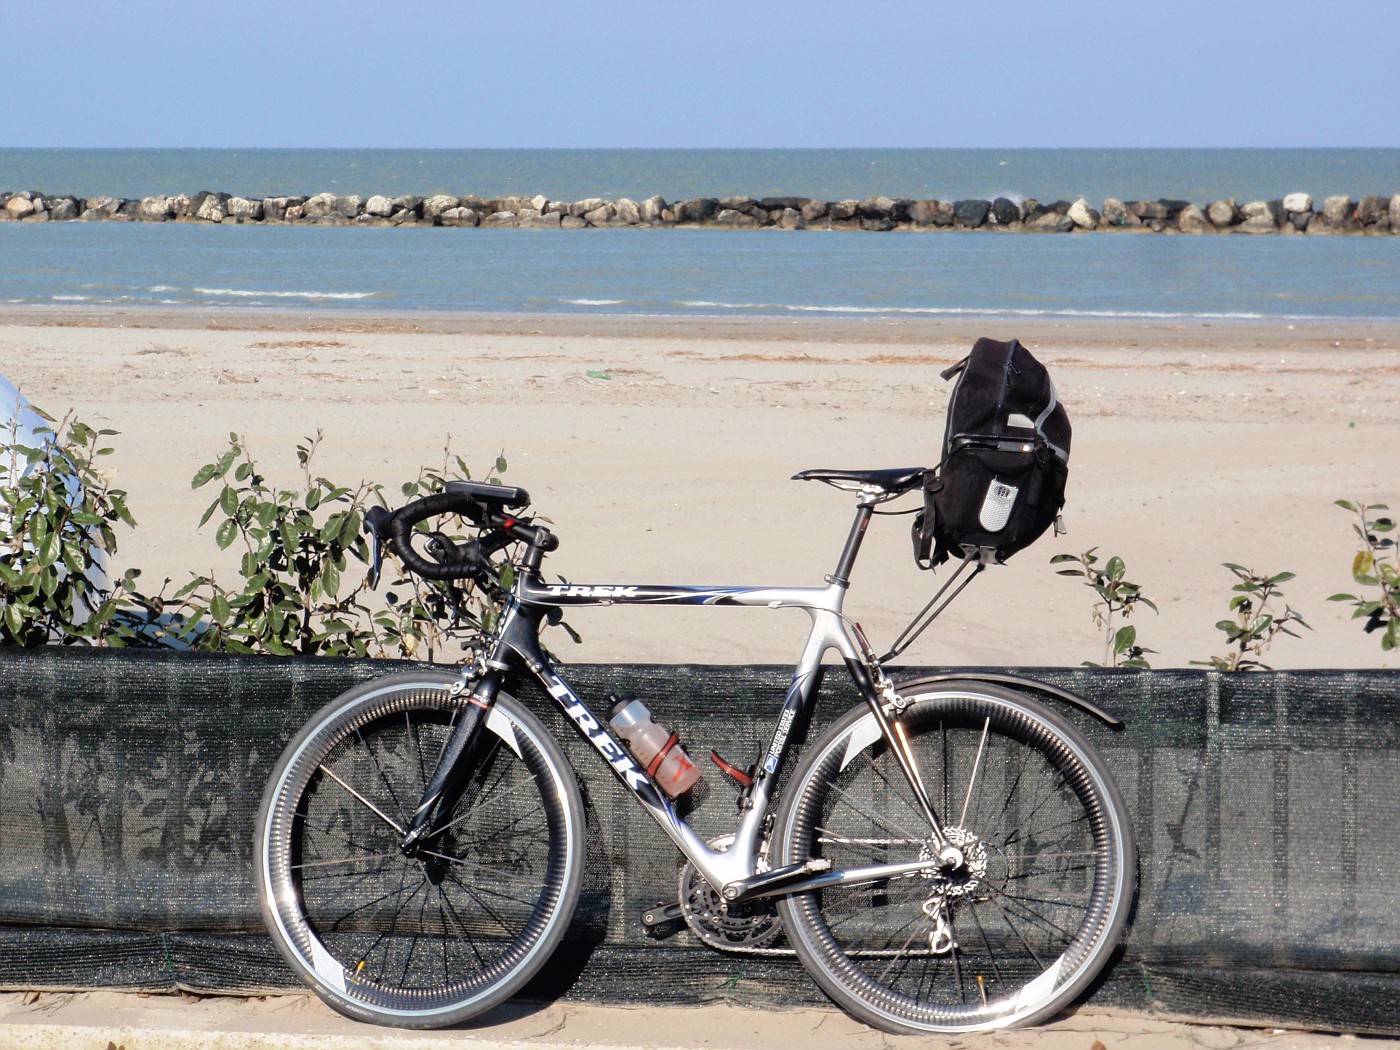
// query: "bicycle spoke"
[[873, 817], [367, 803], [976, 765], [380, 858], [379, 769], [1029, 914], [478, 803]]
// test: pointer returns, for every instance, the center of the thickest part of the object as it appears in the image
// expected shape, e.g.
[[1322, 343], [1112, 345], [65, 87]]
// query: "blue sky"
[[786, 73]]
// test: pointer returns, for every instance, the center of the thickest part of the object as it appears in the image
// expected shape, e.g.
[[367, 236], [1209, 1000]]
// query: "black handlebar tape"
[[401, 532]]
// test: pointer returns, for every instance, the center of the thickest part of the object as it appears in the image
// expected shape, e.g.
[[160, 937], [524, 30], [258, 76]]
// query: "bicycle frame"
[[518, 634], [735, 869]]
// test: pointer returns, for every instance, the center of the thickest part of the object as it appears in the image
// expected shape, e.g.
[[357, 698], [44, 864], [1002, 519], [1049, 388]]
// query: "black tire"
[[1039, 908], [427, 941]]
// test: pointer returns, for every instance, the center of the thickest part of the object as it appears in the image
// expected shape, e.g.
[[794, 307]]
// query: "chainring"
[[740, 927]]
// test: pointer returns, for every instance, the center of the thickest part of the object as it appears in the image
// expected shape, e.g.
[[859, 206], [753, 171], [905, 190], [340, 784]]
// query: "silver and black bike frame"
[[733, 869]]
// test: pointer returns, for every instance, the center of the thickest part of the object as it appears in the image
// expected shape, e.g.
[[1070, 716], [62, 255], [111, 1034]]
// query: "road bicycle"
[[952, 855]]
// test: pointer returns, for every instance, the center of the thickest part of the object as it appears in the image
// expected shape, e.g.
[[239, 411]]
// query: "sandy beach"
[[661, 451]]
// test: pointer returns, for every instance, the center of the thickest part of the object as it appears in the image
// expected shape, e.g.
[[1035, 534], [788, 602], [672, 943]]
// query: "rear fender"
[[1016, 681]]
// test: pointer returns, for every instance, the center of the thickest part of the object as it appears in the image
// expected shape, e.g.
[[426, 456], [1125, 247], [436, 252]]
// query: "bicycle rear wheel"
[[433, 939], [1035, 912]]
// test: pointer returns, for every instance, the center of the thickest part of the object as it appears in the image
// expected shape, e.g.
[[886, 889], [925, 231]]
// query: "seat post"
[[842, 575]]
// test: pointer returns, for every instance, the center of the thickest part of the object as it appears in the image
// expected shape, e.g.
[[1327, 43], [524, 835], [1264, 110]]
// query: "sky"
[[678, 73]]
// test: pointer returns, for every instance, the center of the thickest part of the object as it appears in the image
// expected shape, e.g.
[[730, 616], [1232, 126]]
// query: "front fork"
[[445, 785]]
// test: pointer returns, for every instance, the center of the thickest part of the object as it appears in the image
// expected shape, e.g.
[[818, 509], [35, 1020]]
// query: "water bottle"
[[655, 747]]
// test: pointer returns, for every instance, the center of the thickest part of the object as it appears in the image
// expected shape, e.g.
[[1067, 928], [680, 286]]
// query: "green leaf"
[[204, 475], [1345, 504], [1342, 598], [227, 533], [73, 558], [1124, 638], [1282, 577], [1115, 568], [228, 501], [330, 581], [500, 464], [219, 608]]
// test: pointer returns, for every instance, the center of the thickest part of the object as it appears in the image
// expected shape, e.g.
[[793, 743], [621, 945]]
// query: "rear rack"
[[977, 557]]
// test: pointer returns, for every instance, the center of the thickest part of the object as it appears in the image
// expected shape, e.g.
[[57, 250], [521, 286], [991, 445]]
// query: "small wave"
[[71, 298], [245, 293], [980, 311], [711, 305], [162, 288], [595, 302]]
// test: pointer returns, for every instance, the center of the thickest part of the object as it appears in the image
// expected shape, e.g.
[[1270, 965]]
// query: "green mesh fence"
[[1266, 806]]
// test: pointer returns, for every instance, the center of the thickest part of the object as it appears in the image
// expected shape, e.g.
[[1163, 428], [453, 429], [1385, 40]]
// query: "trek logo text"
[[563, 590], [607, 747]]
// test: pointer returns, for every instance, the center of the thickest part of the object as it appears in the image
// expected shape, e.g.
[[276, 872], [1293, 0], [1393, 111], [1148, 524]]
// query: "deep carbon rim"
[[1043, 901], [426, 940]]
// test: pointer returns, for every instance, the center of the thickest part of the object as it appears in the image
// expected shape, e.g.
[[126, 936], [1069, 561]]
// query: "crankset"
[[746, 927]]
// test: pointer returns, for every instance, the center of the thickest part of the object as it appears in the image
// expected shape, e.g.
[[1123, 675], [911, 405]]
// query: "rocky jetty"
[[1295, 213]]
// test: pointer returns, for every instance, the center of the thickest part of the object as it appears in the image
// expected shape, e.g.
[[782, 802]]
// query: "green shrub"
[[1256, 622], [1377, 565], [62, 513], [302, 587], [293, 545], [1117, 597]]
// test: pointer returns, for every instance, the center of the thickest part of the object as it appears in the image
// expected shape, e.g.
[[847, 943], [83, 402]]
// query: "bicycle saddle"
[[892, 480]]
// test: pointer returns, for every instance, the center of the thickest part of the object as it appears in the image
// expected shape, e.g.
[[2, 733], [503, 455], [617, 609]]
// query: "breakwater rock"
[[1296, 213]]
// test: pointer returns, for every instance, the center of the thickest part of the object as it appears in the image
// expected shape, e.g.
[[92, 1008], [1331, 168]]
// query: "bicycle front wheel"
[[1016, 932], [432, 939]]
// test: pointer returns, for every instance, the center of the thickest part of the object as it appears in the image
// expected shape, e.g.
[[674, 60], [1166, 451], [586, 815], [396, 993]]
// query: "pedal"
[[662, 919]]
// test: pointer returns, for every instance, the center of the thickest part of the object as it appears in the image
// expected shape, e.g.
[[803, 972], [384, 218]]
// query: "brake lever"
[[376, 524]]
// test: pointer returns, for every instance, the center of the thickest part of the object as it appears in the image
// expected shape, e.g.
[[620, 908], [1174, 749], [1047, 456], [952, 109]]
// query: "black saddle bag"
[[1005, 459]]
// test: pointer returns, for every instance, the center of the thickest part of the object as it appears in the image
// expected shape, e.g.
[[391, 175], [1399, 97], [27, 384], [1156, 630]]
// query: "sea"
[[691, 272]]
